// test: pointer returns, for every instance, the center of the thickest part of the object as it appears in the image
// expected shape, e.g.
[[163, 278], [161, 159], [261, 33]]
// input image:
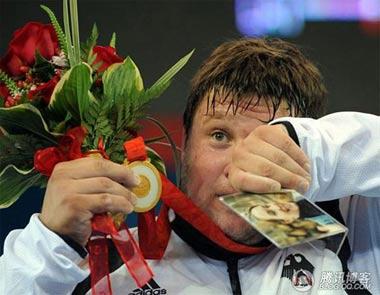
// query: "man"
[[229, 147]]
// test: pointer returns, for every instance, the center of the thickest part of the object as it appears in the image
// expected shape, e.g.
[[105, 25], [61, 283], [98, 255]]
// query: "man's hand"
[[81, 188], [268, 159]]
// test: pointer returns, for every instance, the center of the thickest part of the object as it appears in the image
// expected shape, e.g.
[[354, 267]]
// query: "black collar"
[[200, 243]]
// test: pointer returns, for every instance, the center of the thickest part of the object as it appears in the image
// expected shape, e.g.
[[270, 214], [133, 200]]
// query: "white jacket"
[[36, 261], [345, 152], [344, 149]]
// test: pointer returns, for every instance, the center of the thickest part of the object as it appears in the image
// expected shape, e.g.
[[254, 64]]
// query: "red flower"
[[26, 41], [69, 148], [44, 90], [106, 56], [4, 91], [71, 143], [46, 159]]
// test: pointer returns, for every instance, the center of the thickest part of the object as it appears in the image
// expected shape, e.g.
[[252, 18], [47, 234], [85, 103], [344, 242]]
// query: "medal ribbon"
[[153, 234], [103, 225]]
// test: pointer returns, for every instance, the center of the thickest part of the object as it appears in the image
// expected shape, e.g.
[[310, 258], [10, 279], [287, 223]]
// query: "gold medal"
[[148, 192]]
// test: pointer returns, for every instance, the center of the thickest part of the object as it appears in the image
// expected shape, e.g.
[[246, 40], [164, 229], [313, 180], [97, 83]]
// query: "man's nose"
[[226, 170], [227, 161]]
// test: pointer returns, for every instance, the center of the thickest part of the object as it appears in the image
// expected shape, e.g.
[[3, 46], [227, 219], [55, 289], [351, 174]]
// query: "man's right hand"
[[267, 160], [79, 189]]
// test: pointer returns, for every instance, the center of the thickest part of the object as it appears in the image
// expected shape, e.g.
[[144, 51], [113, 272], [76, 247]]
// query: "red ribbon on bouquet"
[[103, 225]]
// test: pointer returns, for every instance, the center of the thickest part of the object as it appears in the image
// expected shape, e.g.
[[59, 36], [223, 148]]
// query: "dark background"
[[157, 33]]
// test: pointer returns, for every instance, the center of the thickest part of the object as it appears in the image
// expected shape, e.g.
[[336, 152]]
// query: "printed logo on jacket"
[[151, 288]]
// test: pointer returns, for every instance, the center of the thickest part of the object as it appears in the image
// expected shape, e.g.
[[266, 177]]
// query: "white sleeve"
[[344, 150], [38, 261]]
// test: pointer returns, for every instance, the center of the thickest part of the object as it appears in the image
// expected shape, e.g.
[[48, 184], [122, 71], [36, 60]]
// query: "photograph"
[[285, 218]]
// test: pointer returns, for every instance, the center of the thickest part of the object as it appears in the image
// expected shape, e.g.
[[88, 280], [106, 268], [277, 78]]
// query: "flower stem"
[[75, 30], [66, 23]]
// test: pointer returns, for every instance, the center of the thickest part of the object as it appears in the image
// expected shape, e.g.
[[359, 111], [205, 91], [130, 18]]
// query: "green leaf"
[[42, 68], [122, 84], [23, 119], [163, 83], [113, 40], [87, 46], [72, 93], [8, 81], [156, 160], [14, 182], [116, 149], [57, 28], [121, 81], [117, 157], [98, 123], [94, 35], [19, 150], [91, 58], [96, 66], [61, 126]]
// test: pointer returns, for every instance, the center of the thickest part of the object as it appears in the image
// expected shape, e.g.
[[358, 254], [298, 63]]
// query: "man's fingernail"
[[275, 188], [136, 180], [129, 209], [303, 186], [133, 199], [307, 167]]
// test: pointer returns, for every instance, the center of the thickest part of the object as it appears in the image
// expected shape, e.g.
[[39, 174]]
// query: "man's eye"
[[219, 136]]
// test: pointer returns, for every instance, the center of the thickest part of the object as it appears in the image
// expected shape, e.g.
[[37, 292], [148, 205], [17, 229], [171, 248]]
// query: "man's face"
[[207, 158]]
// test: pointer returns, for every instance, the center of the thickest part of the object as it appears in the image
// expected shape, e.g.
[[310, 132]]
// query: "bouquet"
[[61, 100]]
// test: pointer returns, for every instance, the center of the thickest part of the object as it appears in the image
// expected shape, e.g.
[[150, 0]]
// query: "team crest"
[[299, 271]]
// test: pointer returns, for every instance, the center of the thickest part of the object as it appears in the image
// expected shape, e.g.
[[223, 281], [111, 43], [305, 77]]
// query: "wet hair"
[[243, 72]]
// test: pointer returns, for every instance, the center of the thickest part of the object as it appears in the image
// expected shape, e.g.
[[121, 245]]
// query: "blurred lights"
[[369, 10], [287, 17]]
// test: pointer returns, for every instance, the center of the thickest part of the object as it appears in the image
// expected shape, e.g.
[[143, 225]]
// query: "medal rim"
[[159, 183]]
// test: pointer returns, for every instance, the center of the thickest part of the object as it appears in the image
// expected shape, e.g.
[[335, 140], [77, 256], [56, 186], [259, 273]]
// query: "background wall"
[[156, 33]]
